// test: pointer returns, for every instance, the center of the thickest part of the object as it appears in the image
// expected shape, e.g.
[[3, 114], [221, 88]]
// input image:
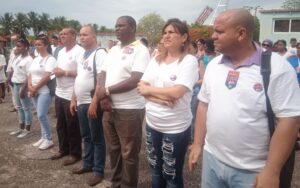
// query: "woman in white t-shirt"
[[20, 67], [39, 75], [167, 86]]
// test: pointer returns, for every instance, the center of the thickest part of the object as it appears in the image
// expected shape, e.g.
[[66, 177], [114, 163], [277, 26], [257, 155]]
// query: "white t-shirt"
[[3, 64], [237, 127], [67, 60], [84, 82], [20, 66], [119, 65], [39, 67], [178, 118]]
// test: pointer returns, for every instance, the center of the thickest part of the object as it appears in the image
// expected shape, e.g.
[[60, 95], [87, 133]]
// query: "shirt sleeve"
[[141, 59], [50, 64], [188, 74], [148, 74], [100, 59], [284, 92], [2, 60], [28, 65]]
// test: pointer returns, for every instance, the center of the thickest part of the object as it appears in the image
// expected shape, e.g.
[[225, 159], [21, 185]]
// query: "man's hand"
[[58, 72], [195, 151], [267, 178], [92, 111], [106, 105], [73, 106]]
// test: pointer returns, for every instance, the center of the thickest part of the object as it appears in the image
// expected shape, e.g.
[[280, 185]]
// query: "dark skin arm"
[[126, 85], [23, 89]]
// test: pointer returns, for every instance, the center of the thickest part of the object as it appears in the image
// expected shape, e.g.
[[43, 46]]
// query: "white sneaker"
[[17, 132], [38, 143], [25, 133], [46, 144]]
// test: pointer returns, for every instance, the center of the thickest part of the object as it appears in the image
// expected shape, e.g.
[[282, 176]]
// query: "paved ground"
[[22, 165]]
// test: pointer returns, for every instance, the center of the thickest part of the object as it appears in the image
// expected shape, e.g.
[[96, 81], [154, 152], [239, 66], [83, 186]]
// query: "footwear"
[[17, 132], [38, 143], [94, 180], [13, 110], [81, 170], [46, 145], [58, 156], [25, 133], [71, 160]]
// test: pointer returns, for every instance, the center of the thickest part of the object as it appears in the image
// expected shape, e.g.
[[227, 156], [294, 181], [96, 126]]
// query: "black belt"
[[18, 83]]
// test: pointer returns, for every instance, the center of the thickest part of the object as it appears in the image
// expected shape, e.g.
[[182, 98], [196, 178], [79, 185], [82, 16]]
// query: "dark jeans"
[[123, 135], [93, 140], [166, 153], [67, 128]]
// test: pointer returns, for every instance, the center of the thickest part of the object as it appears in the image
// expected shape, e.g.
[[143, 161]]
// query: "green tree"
[[74, 24], [20, 24], [58, 23], [34, 22], [291, 4], [256, 29], [6, 23], [44, 22], [151, 24], [96, 27]]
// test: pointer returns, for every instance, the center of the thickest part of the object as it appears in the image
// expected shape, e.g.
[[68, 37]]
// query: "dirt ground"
[[22, 165]]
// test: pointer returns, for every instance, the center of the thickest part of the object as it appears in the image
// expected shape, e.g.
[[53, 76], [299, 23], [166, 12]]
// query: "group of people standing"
[[102, 98]]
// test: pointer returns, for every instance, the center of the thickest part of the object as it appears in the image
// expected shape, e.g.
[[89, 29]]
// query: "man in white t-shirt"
[[122, 70], [231, 121], [67, 126], [90, 127]]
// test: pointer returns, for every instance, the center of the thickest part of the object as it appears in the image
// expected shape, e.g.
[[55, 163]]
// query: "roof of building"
[[279, 11]]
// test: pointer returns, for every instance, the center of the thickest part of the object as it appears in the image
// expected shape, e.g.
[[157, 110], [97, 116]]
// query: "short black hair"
[[144, 41], [131, 21]]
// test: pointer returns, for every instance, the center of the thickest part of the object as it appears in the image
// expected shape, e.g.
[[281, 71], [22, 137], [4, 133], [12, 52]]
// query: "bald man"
[[90, 127], [231, 125]]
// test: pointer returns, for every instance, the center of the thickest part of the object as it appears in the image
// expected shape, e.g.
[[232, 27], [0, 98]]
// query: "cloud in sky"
[[105, 12]]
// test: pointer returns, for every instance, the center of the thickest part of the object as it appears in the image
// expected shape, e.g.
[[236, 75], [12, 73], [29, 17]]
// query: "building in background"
[[279, 24]]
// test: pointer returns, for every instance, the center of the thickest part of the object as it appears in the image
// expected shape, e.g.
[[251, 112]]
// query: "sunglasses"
[[266, 45]]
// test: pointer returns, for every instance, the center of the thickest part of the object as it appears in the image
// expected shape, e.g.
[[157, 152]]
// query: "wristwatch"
[[107, 91]]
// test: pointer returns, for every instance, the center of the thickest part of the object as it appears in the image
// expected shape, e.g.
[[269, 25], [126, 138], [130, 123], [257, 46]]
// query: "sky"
[[106, 12]]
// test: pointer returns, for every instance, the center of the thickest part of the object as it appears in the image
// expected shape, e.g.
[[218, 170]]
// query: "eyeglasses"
[[265, 45]]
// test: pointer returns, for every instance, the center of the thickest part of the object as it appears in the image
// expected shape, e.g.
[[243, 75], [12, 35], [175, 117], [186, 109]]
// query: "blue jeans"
[[166, 153], [23, 105], [216, 174], [93, 140], [42, 103]]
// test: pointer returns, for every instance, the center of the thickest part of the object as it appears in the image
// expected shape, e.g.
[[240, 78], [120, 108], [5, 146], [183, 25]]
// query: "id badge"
[[232, 79]]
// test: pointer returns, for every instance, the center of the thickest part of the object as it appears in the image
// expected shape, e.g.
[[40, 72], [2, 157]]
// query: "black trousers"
[[67, 127]]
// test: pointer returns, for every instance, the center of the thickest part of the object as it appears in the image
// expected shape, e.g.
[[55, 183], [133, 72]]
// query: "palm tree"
[[34, 22], [6, 23], [20, 24], [44, 22], [74, 24], [58, 23]]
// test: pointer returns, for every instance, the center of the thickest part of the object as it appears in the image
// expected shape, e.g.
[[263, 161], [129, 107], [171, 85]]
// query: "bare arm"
[[168, 94], [281, 145], [126, 85], [199, 135]]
